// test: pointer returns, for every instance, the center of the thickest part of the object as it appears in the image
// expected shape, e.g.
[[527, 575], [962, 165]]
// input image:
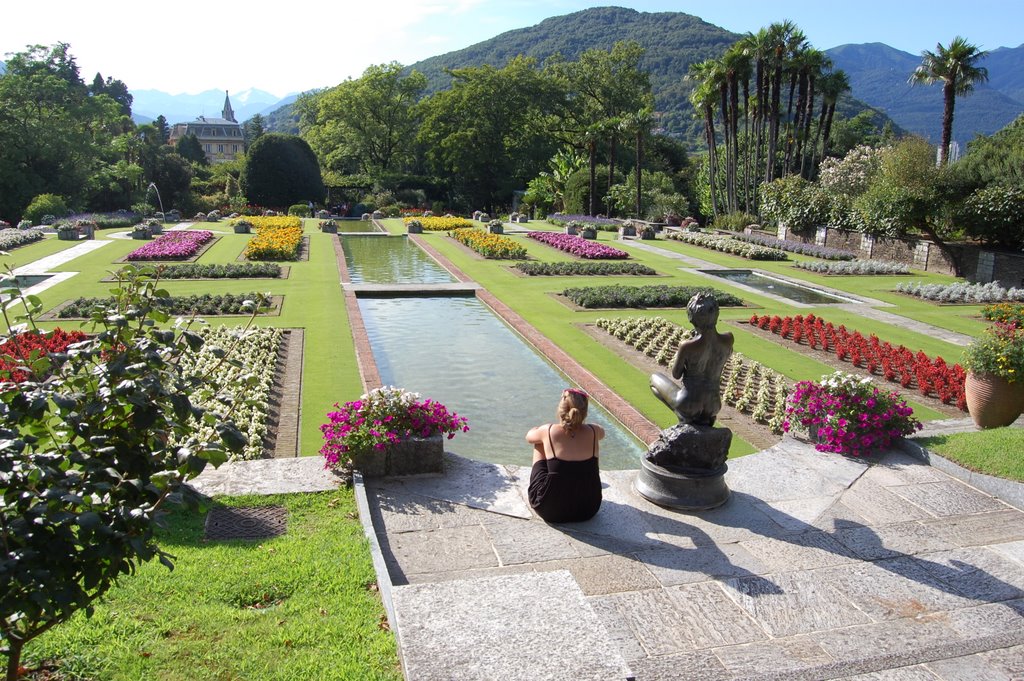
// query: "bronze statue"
[[698, 363]]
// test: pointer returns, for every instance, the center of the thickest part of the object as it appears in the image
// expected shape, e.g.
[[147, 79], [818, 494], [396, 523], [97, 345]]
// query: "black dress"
[[566, 491]]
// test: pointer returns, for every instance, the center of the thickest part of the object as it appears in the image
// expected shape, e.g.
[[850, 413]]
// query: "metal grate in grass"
[[253, 522]]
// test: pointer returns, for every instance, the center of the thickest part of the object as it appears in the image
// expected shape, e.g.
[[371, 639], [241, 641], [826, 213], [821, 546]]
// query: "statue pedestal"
[[685, 468], [696, 490]]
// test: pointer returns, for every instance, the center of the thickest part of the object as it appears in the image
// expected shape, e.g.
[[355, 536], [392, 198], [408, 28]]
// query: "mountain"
[[180, 108], [879, 73], [672, 40], [3, 68]]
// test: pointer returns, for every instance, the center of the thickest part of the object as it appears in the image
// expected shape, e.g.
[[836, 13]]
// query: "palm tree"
[[833, 85], [706, 75], [955, 67]]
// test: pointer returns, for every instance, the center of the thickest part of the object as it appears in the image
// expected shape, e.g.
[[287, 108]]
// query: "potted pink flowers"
[[848, 414], [388, 431]]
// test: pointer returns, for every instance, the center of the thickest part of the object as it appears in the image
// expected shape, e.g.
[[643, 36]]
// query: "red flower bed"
[[20, 347], [931, 377]]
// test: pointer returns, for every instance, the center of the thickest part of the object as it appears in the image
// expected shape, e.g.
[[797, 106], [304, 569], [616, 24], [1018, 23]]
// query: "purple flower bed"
[[172, 246], [824, 252], [562, 218], [575, 245]]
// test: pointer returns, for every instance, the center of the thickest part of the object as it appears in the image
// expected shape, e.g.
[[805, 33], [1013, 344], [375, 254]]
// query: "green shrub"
[[644, 296], [299, 210], [45, 204], [995, 215], [577, 190], [734, 222]]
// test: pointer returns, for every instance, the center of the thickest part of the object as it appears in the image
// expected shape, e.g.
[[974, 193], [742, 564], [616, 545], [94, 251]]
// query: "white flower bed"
[[854, 267], [257, 356], [961, 292]]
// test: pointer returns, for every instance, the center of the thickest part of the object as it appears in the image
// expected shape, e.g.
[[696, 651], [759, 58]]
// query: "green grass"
[[299, 606], [995, 452]]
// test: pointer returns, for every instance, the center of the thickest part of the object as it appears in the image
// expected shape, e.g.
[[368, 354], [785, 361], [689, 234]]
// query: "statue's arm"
[[679, 363]]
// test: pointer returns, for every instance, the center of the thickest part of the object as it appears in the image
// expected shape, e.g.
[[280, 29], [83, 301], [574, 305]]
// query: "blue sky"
[[298, 45]]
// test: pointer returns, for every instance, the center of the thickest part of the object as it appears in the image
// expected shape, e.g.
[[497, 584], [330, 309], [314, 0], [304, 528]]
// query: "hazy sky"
[[296, 45]]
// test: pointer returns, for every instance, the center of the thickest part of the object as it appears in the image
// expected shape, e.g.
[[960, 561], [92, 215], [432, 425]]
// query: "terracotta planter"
[[992, 401], [409, 457]]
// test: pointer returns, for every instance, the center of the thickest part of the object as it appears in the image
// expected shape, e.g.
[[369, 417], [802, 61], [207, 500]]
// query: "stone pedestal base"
[[694, 490]]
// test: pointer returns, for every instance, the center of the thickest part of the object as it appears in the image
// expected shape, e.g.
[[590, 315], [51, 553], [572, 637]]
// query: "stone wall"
[[978, 264]]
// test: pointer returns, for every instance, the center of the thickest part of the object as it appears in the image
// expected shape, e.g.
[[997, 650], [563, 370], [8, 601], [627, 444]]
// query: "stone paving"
[[818, 567]]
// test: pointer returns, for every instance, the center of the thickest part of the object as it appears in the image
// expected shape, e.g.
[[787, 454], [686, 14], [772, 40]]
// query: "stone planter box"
[[333, 229], [627, 231], [68, 236], [415, 229], [241, 229], [572, 231], [588, 233], [409, 457], [156, 229], [144, 234], [648, 235], [496, 229]]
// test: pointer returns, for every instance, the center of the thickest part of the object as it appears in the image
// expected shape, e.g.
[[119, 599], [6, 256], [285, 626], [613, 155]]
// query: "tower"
[[228, 114]]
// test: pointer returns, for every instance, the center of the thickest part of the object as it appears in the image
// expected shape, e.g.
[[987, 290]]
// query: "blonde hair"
[[572, 408]]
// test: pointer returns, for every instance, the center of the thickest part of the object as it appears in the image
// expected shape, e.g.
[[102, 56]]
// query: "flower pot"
[[415, 229], [409, 457], [992, 401], [156, 229], [588, 233], [571, 231], [627, 231], [68, 236], [141, 235], [496, 229], [241, 229], [330, 229]]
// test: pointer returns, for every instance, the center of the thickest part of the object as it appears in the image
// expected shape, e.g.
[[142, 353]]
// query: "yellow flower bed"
[[276, 221], [442, 224], [275, 241], [490, 245]]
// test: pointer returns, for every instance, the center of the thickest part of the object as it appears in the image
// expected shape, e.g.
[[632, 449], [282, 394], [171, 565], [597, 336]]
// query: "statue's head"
[[702, 311]]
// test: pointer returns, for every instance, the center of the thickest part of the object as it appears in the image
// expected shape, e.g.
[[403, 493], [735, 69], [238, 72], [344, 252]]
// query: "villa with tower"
[[221, 138]]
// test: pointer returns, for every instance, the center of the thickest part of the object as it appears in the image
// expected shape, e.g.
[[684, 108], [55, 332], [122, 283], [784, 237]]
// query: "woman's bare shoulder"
[[537, 433]]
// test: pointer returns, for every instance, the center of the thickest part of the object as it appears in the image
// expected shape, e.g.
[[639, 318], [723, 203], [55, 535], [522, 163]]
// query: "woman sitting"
[[565, 483]]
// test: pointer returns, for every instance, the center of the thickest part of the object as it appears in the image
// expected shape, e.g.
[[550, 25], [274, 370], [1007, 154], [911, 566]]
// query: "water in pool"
[[767, 284], [390, 260], [456, 351]]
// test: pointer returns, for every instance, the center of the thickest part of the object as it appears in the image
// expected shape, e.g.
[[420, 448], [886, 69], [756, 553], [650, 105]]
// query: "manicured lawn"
[[998, 452], [298, 606]]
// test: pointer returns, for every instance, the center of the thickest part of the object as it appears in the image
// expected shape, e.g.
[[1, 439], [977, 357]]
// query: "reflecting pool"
[[456, 351], [390, 260], [779, 287]]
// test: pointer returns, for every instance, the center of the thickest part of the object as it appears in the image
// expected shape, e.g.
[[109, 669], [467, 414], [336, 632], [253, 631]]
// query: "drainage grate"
[[253, 522]]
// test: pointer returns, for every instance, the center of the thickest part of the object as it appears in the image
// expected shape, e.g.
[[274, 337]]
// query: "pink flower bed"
[[172, 246], [584, 248]]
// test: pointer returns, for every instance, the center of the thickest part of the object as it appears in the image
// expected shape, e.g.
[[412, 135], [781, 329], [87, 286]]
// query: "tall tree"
[[163, 129], [253, 129], [281, 170], [488, 134], [52, 132], [370, 121], [603, 87], [956, 68]]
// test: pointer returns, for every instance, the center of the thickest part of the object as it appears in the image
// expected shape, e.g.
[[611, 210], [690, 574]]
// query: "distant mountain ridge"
[[674, 40], [181, 108], [879, 77]]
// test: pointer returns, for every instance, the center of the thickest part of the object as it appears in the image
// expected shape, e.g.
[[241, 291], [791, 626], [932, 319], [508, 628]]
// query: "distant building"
[[221, 138]]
